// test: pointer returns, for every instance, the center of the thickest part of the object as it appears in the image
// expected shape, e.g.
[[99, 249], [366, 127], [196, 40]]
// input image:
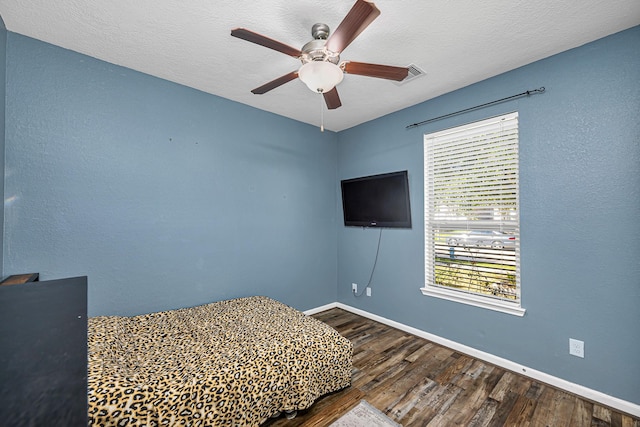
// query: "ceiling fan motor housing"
[[320, 31], [315, 49]]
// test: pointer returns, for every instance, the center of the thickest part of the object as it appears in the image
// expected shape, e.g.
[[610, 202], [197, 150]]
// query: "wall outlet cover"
[[576, 347]]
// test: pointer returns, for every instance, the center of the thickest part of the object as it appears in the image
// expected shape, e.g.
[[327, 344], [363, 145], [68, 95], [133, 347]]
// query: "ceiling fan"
[[321, 68]]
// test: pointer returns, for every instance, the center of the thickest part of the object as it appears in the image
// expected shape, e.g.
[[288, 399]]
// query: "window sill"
[[474, 300]]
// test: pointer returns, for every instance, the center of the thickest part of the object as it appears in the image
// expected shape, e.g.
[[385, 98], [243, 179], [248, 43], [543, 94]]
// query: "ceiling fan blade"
[[250, 36], [359, 17], [275, 83], [332, 99], [376, 70]]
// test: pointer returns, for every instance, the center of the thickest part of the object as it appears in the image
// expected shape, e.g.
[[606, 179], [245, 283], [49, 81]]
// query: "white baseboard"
[[321, 309], [585, 392]]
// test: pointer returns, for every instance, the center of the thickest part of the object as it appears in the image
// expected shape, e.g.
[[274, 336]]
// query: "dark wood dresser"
[[43, 352]]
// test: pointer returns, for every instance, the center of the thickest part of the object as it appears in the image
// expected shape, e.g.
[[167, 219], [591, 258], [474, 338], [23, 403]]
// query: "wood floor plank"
[[419, 383], [505, 406], [522, 412], [561, 410], [535, 390], [422, 349], [628, 421], [437, 402], [473, 397], [460, 413], [433, 365], [334, 409], [602, 413], [509, 382], [596, 422], [485, 414], [454, 369], [383, 377], [582, 413], [411, 398], [543, 413], [616, 419]]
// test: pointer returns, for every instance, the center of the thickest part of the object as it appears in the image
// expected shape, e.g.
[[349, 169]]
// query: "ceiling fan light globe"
[[320, 76]]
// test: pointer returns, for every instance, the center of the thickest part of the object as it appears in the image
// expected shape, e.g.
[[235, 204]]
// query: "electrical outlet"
[[368, 291], [354, 287], [576, 347]]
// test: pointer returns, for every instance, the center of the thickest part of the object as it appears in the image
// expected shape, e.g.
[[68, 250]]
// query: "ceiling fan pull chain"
[[321, 111]]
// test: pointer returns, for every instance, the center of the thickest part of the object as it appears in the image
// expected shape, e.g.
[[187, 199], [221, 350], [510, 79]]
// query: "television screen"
[[377, 201]]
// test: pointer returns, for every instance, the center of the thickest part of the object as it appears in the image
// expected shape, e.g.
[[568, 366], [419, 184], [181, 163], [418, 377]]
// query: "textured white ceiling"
[[456, 42]]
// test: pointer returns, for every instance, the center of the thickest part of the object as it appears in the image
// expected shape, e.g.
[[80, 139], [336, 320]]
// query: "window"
[[472, 226]]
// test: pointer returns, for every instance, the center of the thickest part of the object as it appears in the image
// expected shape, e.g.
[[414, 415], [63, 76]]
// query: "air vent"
[[414, 73]]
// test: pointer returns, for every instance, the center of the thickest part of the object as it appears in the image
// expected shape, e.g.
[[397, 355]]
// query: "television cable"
[[375, 262]]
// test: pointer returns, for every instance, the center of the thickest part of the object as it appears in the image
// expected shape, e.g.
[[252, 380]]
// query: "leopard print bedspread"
[[231, 363]]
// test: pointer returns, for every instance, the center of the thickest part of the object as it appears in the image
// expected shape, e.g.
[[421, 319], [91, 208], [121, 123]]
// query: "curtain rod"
[[527, 93]]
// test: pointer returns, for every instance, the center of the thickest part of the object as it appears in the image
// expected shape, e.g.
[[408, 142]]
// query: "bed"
[[235, 362]]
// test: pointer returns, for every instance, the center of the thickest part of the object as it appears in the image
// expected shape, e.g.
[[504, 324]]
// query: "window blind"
[[471, 209]]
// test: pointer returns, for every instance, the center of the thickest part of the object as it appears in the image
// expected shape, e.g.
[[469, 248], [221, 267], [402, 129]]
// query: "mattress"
[[234, 362]]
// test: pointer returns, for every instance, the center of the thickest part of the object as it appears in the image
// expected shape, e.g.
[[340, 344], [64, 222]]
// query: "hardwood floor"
[[419, 383]]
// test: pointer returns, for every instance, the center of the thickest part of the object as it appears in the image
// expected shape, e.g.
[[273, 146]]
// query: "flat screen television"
[[377, 201]]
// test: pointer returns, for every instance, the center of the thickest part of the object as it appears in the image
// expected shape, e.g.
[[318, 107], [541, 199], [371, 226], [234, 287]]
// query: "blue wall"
[[580, 202], [3, 69], [162, 195]]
